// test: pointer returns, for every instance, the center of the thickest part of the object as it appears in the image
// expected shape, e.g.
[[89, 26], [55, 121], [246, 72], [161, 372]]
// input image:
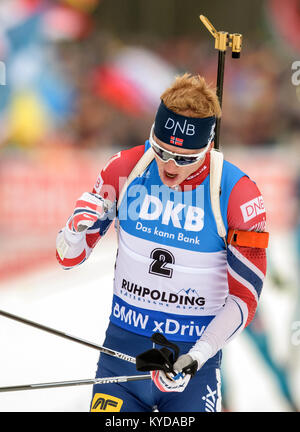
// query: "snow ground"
[[78, 302]]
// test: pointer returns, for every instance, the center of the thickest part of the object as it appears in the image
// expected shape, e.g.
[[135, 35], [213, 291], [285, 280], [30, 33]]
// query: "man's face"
[[171, 174]]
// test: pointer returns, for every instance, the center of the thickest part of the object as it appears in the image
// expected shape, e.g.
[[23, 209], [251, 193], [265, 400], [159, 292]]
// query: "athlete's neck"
[[198, 176]]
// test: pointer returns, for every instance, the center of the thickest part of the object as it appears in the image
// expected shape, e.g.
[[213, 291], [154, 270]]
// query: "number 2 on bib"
[[161, 258]]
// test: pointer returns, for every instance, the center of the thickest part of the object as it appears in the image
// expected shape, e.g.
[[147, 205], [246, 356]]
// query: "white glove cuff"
[[201, 352], [73, 237]]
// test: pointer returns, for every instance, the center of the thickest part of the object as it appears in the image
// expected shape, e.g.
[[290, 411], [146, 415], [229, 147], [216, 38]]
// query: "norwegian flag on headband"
[[176, 141]]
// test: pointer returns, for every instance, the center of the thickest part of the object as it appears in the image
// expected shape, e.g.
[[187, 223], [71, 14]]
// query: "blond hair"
[[191, 96]]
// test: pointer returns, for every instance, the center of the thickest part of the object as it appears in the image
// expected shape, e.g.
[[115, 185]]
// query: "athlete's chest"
[[178, 218]]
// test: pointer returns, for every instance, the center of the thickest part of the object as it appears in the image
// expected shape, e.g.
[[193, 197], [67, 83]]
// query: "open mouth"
[[169, 175]]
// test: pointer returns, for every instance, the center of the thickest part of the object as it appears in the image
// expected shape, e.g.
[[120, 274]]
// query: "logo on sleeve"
[[253, 208]]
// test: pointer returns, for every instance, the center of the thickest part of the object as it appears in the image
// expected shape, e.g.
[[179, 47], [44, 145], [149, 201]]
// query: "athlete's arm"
[[246, 269], [90, 220]]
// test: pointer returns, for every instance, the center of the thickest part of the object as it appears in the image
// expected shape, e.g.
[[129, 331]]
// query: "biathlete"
[[176, 274]]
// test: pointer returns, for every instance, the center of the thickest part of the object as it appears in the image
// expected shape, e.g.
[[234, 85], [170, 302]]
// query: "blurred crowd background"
[[81, 80], [76, 68]]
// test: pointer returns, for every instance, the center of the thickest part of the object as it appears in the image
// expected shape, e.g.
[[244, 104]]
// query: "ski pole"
[[100, 348], [109, 380]]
